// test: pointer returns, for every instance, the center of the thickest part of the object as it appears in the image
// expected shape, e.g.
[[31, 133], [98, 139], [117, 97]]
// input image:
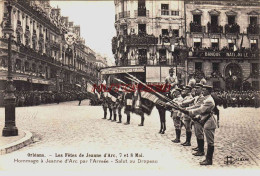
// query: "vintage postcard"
[[134, 86]]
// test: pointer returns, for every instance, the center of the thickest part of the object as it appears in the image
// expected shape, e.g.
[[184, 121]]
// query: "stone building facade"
[[218, 40], [41, 57], [223, 42], [146, 31]]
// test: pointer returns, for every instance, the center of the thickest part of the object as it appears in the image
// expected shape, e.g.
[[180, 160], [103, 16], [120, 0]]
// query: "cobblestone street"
[[68, 128]]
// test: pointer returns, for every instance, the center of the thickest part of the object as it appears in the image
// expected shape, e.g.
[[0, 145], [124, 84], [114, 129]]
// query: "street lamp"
[[10, 129]]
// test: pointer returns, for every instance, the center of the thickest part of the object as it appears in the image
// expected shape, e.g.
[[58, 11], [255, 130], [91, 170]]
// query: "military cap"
[[178, 89], [188, 87], [198, 85], [171, 70], [207, 87]]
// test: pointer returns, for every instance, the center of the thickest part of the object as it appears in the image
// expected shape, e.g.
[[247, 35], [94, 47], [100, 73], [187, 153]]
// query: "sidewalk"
[[24, 138], [12, 143]]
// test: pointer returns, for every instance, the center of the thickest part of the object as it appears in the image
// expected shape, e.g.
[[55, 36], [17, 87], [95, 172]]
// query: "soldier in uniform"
[[198, 128], [114, 106], [104, 104], [176, 115], [119, 103], [185, 118], [128, 101], [171, 80], [110, 106], [79, 97], [206, 118]]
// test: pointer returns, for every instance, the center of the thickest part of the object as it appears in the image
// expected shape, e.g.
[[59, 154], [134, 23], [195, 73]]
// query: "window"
[[214, 20], [18, 37], [162, 56], [198, 66], [27, 66], [141, 29], [34, 44], [165, 6], [197, 42], [197, 19], [18, 15], [142, 56], [231, 43], [255, 69], [253, 20], [165, 9], [175, 13], [254, 44], [165, 32], [40, 48], [124, 29], [215, 43], [176, 32], [215, 66], [255, 85], [18, 64], [34, 68], [231, 20], [26, 20], [141, 8], [141, 4]]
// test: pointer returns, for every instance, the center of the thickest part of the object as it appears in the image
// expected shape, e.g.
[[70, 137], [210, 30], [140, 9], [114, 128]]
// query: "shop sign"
[[228, 54]]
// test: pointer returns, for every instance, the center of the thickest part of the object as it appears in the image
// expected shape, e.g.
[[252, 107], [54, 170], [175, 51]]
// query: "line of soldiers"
[[192, 104], [34, 98], [130, 100], [197, 107], [239, 98]]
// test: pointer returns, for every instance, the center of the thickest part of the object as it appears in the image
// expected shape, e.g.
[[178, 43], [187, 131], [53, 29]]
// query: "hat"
[[171, 70], [178, 89], [198, 85], [207, 87], [188, 87]]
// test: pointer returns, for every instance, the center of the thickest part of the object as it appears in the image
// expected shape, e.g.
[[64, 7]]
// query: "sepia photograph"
[[130, 86]]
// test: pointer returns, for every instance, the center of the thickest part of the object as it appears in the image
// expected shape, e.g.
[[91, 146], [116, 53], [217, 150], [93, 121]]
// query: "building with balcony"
[[41, 58], [223, 42], [150, 35]]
